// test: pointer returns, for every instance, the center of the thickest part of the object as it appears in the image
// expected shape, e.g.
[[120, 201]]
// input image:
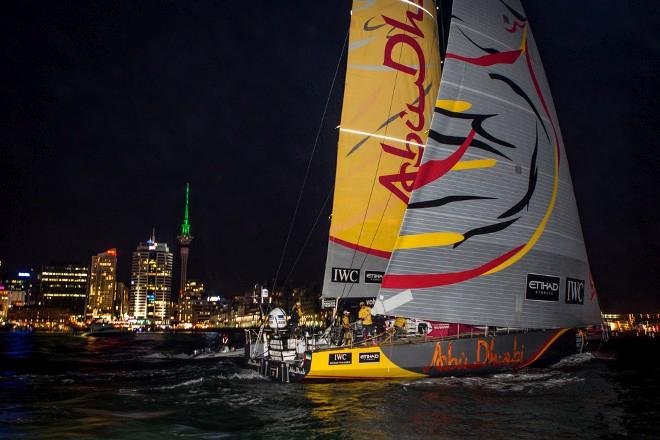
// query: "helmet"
[[361, 303]]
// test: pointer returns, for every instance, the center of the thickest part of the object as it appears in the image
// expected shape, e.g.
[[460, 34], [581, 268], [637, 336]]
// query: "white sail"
[[492, 234]]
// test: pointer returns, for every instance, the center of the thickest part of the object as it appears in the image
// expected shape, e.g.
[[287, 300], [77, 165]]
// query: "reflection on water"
[[150, 386]]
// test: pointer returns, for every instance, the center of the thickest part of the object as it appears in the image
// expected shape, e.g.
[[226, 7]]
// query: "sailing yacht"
[[453, 204]]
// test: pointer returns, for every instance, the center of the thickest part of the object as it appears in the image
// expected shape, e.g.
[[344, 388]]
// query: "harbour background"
[[150, 386]]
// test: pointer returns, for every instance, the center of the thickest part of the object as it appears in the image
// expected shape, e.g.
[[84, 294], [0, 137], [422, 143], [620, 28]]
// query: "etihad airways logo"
[[345, 275], [373, 276], [542, 287], [369, 357]]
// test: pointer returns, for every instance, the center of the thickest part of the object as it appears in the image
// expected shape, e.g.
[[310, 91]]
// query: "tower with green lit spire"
[[185, 239]]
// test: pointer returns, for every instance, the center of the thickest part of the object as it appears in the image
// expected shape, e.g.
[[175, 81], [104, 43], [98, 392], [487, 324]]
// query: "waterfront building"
[[52, 318], [192, 293], [102, 284], [151, 282], [184, 239], [64, 286], [206, 312], [4, 303], [121, 302], [19, 288]]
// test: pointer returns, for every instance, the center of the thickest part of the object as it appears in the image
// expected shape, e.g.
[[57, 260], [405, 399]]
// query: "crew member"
[[346, 328], [224, 343], [365, 316], [400, 326]]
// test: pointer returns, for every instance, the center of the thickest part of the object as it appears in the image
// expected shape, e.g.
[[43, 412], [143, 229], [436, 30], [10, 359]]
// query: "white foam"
[[524, 381], [243, 375], [182, 384], [574, 360]]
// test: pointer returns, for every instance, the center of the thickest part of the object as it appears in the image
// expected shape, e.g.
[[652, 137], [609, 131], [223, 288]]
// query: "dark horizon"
[[111, 108]]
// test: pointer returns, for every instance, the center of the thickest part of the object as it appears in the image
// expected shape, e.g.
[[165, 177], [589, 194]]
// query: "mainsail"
[[492, 235], [392, 79]]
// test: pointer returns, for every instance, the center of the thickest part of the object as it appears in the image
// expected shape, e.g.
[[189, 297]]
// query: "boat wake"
[[187, 383], [529, 381], [574, 360], [243, 375], [193, 356]]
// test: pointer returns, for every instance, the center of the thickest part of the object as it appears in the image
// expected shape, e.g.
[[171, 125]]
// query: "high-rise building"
[[64, 286], [151, 282], [4, 303], [192, 293], [184, 239], [121, 303], [102, 283], [19, 288]]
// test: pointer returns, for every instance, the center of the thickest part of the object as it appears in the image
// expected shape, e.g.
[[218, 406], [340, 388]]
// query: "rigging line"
[[309, 235], [309, 163]]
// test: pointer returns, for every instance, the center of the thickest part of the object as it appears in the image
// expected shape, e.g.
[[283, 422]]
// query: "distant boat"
[[108, 329], [453, 205]]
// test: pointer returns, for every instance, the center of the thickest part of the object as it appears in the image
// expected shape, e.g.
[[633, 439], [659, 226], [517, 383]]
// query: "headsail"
[[492, 234], [392, 79]]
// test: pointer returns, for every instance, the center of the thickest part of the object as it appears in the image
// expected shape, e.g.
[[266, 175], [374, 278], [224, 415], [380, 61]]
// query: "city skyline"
[[157, 97]]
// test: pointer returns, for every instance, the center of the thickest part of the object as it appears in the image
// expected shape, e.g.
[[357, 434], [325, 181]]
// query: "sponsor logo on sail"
[[364, 358], [345, 275], [328, 303], [373, 276], [542, 287], [574, 291], [406, 36], [340, 358]]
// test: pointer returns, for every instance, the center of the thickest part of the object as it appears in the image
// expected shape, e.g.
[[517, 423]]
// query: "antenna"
[[185, 226]]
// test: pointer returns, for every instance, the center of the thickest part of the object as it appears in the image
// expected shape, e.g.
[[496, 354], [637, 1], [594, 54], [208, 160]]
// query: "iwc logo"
[[340, 358], [345, 275], [574, 291]]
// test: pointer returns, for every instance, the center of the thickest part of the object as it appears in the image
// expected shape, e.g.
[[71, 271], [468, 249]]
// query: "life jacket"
[[365, 315], [345, 322]]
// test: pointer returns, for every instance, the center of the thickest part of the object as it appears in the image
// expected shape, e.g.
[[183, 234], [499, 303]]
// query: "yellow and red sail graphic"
[[392, 79]]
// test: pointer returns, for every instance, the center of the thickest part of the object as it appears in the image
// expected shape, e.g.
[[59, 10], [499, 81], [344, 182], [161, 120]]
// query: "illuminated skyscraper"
[[192, 293], [102, 283], [19, 288], [151, 282], [64, 286], [184, 239], [122, 300]]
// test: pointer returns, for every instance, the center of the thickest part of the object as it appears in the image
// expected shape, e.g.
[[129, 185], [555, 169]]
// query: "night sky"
[[110, 107]]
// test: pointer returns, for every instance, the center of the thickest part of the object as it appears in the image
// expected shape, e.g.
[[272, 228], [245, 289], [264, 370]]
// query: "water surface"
[[150, 386]]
